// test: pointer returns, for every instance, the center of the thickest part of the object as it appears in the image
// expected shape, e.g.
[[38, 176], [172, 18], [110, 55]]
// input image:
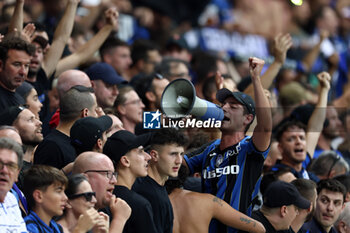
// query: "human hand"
[[282, 42], [112, 16], [87, 220], [119, 208], [102, 225], [255, 66], [325, 80]]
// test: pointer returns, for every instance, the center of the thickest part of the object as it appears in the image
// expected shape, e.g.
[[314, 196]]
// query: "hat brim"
[[224, 93], [141, 140], [302, 203], [105, 122]]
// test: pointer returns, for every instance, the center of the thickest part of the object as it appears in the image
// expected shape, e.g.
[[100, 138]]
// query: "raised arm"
[[88, 49], [281, 45], [315, 124], [60, 38], [17, 17], [233, 218], [262, 132]]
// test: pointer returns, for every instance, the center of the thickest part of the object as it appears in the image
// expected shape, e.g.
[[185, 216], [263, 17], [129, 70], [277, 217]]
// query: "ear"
[[37, 196], [150, 96], [99, 144], [154, 155], [121, 109], [249, 118], [93, 84], [283, 211], [124, 160], [84, 113], [331, 174]]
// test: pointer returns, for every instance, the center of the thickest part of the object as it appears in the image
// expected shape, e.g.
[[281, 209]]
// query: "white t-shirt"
[[10, 216]]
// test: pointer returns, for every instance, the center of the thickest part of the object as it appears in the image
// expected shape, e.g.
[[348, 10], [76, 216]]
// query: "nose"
[[93, 200], [330, 206], [22, 70], [38, 122], [178, 159], [142, 105], [113, 180], [147, 156], [65, 198], [115, 90]]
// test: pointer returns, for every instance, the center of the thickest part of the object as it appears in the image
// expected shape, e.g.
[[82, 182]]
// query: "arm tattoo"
[[218, 200], [247, 221]]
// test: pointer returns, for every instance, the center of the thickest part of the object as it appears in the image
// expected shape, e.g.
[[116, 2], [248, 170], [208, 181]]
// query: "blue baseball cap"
[[105, 72]]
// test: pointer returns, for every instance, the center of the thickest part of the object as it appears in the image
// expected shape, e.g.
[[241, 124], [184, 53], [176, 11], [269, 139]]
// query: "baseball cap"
[[10, 115], [280, 193], [122, 141], [105, 72], [177, 40], [85, 131], [241, 97]]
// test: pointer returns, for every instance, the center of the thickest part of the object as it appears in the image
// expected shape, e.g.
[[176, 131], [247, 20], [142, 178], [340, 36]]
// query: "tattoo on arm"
[[248, 221], [217, 200]]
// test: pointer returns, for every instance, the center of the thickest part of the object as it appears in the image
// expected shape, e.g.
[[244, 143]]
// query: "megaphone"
[[179, 100]]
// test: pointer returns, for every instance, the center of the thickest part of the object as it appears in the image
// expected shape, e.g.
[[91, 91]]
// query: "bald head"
[[88, 160], [71, 78], [10, 132]]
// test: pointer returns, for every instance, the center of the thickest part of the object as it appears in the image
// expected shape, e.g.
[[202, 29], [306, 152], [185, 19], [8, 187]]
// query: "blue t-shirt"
[[231, 174], [36, 225]]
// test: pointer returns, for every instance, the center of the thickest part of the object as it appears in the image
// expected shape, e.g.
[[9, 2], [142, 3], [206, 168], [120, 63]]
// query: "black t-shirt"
[[158, 197], [141, 219], [257, 215], [55, 150], [9, 98]]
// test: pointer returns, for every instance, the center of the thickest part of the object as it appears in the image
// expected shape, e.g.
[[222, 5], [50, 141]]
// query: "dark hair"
[[331, 185], [16, 43], [40, 177], [286, 126], [345, 180], [272, 176], [166, 136], [73, 183], [140, 49], [305, 187], [74, 101], [167, 64], [109, 44]]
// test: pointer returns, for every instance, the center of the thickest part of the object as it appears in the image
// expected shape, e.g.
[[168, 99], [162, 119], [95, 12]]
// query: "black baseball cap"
[[122, 141], [105, 72], [280, 193], [9, 115], [241, 97], [85, 131]]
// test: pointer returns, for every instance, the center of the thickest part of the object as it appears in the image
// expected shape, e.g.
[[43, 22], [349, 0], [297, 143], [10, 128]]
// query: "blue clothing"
[[231, 174], [314, 227], [36, 225], [301, 174]]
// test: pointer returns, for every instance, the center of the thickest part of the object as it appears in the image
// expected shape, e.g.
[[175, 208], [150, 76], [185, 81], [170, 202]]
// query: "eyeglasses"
[[88, 196], [109, 174], [335, 160], [11, 166], [138, 102]]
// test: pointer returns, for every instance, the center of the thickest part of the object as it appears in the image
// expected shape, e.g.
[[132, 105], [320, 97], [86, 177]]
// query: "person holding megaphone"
[[231, 166]]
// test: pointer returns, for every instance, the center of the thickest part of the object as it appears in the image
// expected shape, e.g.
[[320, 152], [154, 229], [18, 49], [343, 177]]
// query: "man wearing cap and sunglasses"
[[232, 165], [127, 151], [281, 203]]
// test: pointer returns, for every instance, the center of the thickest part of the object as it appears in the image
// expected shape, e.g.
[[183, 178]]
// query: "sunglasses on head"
[[88, 195]]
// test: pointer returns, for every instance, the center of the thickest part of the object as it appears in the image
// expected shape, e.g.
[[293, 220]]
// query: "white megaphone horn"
[[179, 100]]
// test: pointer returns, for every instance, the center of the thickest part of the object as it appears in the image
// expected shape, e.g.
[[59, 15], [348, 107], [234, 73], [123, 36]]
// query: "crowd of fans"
[[76, 77]]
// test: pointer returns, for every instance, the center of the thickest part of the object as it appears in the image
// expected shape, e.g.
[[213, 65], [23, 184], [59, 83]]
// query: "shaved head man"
[[71, 78]]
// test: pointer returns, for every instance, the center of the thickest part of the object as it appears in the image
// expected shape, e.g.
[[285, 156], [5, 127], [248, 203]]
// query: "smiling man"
[[167, 149], [15, 55], [329, 205]]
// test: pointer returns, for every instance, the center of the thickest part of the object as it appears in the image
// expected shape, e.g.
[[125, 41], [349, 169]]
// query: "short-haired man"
[[55, 150], [11, 155], [127, 151], [44, 189], [232, 165], [166, 150], [15, 55], [90, 134], [116, 53], [99, 170], [307, 189], [329, 204], [104, 80], [281, 204]]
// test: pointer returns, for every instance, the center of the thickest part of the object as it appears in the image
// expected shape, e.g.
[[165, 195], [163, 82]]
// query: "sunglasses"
[[88, 196]]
